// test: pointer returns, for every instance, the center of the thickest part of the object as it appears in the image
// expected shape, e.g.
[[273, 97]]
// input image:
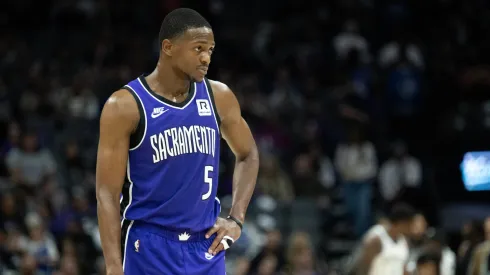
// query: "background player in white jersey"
[[384, 249]]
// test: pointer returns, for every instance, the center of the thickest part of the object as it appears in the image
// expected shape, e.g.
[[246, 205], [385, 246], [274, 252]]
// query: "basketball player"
[[162, 132], [385, 249]]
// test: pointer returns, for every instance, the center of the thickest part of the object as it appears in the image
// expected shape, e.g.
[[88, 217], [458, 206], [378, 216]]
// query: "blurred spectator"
[[285, 98], [31, 166], [84, 246], [253, 101], [11, 226], [437, 244], [473, 235], [11, 213], [273, 181], [100, 266], [475, 78], [83, 104], [28, 265], [271, 258], [74, 167], [271, 137], [401, 49], [40, 245], [362, 77], [350, 39], [68, 266], [306, 178], [400, 176], [326, 172], [29, 102], [77, 225], [11, 140], [268, 265], [404, 88], [427, 264], [300, 255], [5, 102], [68, 248], [242, 266], [357, 165], [479, 262]]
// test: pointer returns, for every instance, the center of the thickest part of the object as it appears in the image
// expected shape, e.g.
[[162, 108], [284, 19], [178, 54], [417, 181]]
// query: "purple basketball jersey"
[[173, 164]]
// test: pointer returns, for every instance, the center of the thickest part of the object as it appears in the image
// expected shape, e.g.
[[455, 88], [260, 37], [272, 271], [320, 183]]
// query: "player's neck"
[[165, 82], [392, 232]]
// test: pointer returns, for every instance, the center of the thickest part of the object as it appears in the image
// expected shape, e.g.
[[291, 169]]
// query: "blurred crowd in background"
[[354, 104]]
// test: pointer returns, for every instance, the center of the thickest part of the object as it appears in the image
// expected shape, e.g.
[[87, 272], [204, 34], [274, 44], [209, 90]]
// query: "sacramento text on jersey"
[[475, 170], [183, 140]]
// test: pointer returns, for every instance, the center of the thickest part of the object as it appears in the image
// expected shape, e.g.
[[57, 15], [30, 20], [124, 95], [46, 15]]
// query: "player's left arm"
[[234, 129]]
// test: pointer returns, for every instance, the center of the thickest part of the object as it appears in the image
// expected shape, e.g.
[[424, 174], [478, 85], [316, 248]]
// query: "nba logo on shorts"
[[137, 246], [475, 170], [203, 107]]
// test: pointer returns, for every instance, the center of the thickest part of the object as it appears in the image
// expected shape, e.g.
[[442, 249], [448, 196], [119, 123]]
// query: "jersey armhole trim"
[[139, 134], [209, 90]]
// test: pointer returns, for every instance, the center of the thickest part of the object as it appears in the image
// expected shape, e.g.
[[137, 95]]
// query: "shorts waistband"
[[172, 234]]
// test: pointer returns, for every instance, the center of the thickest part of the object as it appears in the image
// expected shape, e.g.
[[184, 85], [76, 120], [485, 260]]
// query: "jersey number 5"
[[208, 180]]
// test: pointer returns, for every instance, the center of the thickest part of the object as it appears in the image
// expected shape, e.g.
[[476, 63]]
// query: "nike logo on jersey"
[[158, 112]]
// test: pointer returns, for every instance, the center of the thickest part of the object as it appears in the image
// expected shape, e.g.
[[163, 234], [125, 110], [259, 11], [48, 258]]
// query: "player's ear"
[[167, 47]]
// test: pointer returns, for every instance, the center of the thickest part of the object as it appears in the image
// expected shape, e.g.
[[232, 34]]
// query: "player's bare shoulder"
[[371, 240], [225, 99], [371, 245], [120, 111]]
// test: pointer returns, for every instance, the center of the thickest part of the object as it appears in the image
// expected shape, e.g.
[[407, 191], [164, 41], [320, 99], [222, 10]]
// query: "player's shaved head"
[[401, 212], [178, 21]]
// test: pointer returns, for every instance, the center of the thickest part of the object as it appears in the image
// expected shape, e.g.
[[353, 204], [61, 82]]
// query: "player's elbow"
[[252, 155], [104, 195], [99, 195]]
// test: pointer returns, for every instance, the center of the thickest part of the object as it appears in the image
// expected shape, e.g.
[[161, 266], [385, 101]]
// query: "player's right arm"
[[118, 120], [371, 248]]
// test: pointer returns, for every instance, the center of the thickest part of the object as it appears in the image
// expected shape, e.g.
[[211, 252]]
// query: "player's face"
[[195, 50], [418, 227], [404, 227]]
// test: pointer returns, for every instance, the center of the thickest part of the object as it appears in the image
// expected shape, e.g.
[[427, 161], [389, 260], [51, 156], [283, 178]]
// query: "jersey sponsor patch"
[[203, 107]]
